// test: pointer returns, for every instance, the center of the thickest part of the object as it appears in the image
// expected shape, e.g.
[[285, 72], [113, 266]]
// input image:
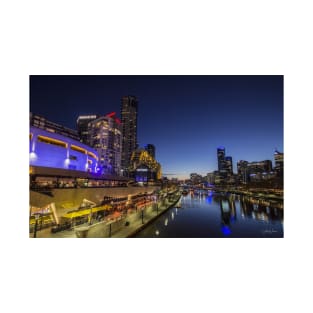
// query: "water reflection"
[[260, 212], [228, 214], [216, 215]]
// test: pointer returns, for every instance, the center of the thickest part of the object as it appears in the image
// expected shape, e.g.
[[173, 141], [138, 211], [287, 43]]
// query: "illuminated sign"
[[85, 117]]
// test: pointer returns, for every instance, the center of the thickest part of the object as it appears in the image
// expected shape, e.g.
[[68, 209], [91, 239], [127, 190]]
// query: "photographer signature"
[[270, 231]]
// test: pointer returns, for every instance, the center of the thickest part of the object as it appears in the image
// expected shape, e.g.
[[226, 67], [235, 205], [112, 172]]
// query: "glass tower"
[[129, 108]]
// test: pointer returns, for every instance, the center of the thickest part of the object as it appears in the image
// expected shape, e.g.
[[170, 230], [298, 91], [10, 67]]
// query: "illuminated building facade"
[[254, 171], [210, 178], [221, 158], [196, 178], [50, 149], [260, 167], [279, 163], [242, 169], [129, 109], [225, 163], [51, 127], [229, 165], [105, 135], [144, 167], [82, 127]]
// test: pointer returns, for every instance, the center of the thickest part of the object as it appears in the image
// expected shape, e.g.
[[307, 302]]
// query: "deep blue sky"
[[185, 117]]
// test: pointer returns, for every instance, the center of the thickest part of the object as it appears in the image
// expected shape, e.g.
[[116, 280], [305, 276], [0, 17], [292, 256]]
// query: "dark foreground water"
[[215, 216]]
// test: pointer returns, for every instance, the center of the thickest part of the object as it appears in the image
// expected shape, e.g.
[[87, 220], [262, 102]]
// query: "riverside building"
[[129, 108], [54, 146], [82, 127], [105, 135], [144, 167], [279, 163]]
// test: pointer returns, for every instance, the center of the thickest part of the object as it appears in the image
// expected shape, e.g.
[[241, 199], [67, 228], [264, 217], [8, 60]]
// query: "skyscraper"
[[229, 165], [242, 169], [225, 164], [82, 127], [221, 158], [106, 137], [279, 163], [129, 109], [151, 149]]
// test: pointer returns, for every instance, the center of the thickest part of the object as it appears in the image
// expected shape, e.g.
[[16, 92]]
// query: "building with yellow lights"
[[105, 135], [144, 167]]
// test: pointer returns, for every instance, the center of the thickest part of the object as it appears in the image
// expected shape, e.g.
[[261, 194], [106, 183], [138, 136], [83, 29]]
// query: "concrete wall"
[[69, 199]]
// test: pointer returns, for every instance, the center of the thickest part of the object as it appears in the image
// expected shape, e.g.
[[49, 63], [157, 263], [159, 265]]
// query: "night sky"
[[185, 117]]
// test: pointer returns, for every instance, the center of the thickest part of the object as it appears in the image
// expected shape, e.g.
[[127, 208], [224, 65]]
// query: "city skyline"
[[185, 117]]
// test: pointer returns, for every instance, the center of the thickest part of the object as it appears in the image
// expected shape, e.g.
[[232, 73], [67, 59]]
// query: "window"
[[52, 141]]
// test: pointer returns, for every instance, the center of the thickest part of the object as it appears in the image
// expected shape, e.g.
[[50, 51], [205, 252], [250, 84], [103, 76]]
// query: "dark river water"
[[216, 216]]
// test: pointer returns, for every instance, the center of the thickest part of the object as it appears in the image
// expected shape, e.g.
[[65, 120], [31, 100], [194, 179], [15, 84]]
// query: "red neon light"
[[111, 114], [117, 120]]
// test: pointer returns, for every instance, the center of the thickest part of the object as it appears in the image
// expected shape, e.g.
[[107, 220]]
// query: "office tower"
[[242, 169], [259, 166], [151, 149], [129, 109], [196, 178], [279, 163], [229, 165], [254, 171], [105, 135], [82, 127], [221, 158], [211, 178]]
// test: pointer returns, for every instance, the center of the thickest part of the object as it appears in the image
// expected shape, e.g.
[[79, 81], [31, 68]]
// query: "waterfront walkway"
[[122, 227]]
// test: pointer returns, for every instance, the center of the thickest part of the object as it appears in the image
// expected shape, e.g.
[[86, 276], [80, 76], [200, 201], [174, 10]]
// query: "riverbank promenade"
[[124, 226]]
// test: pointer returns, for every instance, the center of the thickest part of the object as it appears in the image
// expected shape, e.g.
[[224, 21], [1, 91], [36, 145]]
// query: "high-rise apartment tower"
[[129, 107]]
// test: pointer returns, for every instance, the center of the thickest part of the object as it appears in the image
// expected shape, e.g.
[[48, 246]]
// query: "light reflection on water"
[[206, 216]]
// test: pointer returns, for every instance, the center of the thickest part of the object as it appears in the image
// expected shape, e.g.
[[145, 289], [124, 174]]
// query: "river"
[[216, 216]]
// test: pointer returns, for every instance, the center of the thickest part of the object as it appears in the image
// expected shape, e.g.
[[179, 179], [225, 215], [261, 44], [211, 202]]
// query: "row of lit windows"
[[52, 141], [62, 144]]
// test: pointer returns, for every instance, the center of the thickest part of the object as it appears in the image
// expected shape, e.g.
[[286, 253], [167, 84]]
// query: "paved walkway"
[[118, 228], [135, 221]]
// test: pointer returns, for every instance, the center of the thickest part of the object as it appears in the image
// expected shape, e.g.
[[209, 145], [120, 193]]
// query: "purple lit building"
[[51, 149]]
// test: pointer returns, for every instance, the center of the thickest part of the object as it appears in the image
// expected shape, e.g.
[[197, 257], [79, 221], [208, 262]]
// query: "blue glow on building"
[[48, 149]]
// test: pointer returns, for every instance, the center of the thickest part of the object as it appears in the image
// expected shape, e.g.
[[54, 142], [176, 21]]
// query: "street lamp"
[[142, 215], [143, 209], [37, 215]]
